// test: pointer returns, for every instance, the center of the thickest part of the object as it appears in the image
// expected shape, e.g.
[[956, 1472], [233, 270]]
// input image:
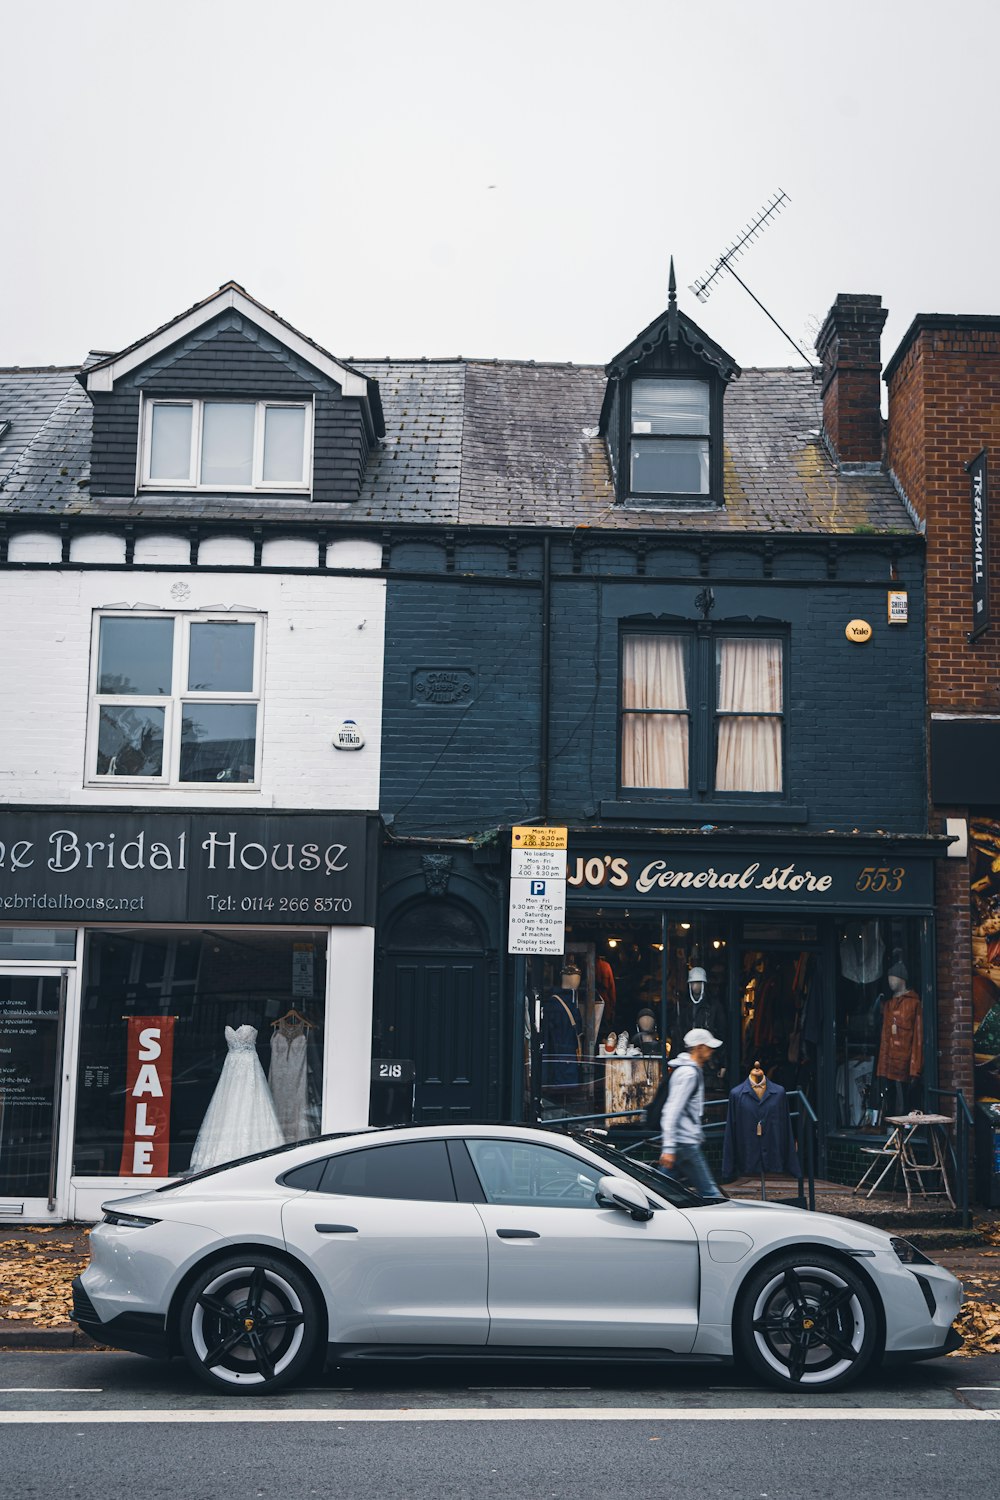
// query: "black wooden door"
[[434, 1013]]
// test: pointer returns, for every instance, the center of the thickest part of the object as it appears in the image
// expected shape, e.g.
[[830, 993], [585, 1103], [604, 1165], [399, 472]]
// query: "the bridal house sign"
[[275, 868]]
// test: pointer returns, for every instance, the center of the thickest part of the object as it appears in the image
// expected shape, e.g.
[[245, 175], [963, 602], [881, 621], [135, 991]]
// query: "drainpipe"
[[543, 750]]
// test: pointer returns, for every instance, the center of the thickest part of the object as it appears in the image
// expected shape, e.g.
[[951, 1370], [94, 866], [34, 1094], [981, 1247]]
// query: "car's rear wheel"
[[807, 1322], [249, 1324]]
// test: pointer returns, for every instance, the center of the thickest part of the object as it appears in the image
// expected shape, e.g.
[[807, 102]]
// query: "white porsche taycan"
[[495, 1241]]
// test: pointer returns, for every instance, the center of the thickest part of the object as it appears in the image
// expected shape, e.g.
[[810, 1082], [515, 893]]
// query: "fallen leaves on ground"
[[979, 1325], [36, 1281]]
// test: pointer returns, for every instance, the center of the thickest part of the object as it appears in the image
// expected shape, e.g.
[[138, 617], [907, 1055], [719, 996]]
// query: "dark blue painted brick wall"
[[855, 727]]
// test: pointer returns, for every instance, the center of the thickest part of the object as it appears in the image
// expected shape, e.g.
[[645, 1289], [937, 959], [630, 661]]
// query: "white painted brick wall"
[[323, 663]]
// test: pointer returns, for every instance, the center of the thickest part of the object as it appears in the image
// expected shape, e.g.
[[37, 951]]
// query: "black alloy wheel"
[[249, 1325], [807, 1322]]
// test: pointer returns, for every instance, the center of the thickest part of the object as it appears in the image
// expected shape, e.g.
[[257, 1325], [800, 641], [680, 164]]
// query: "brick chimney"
[[848, 346]]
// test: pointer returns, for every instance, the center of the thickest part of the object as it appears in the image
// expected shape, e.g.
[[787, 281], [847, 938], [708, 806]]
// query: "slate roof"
[[491, 443]]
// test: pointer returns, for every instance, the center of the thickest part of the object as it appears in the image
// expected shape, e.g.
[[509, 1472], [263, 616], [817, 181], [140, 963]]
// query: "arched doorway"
[[431, 1012]]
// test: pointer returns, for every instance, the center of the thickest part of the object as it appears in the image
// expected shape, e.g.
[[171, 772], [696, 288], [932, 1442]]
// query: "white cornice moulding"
[[105, 376]]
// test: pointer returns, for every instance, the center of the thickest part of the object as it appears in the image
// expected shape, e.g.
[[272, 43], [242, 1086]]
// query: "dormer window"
[[226, 445], [670, 437]]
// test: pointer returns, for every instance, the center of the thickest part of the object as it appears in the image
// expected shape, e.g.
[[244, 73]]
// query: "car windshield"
[[657, 1182]]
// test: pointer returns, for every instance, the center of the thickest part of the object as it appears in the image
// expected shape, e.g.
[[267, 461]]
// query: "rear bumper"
[[139, 1333]]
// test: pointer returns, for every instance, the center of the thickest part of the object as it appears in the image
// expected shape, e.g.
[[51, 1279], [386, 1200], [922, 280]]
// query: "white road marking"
[[236, 1414], [65, 1390]]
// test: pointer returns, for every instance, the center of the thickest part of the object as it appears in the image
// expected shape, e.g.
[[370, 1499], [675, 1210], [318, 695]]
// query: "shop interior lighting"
[[685, 927]]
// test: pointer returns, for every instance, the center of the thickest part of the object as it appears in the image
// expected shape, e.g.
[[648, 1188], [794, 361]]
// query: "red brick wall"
[[849, 348], [944, 406]]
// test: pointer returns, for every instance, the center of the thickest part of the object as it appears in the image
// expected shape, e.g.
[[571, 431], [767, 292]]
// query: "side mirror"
[[621, 1192]]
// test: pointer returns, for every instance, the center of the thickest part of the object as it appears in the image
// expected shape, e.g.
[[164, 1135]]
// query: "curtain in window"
[[749, 684], [655, 745]]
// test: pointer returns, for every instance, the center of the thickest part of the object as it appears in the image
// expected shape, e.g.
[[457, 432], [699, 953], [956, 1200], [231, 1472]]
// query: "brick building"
[[943, 430]]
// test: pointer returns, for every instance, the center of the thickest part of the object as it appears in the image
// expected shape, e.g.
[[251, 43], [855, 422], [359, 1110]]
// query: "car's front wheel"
[[807, 1322], [249, 1324]]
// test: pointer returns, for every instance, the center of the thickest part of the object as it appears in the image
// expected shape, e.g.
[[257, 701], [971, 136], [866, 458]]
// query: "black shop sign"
[[980, 500], [301, 868]]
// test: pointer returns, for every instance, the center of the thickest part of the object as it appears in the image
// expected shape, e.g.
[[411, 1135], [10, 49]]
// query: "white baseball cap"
[[700, 1036]]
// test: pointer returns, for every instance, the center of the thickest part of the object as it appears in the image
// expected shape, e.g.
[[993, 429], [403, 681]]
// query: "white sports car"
[[495, 1241]]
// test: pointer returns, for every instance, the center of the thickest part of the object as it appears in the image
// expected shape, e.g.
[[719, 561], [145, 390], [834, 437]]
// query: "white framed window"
[[175, 699], [226, 445], [670, 431]]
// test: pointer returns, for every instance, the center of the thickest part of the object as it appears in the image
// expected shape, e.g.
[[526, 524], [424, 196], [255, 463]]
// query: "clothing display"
[[861, 952], [240, 1118], [901, 1047], [606, 989], [685, 1014], [288, 1077], [562, 1040], [759, 1136], [853, 1091]]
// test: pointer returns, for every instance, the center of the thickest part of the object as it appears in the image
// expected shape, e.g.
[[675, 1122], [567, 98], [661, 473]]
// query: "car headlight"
[[127, 1221], [909, 1254]]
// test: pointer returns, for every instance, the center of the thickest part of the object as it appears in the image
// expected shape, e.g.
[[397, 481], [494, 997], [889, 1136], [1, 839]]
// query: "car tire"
[[806, 1322], [250, 1324]]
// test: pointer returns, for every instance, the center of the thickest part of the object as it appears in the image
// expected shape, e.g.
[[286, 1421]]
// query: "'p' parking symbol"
[[538, 887]]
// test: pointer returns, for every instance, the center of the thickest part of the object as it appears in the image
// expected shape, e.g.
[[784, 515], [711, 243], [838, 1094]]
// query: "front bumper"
[[953, 1341]]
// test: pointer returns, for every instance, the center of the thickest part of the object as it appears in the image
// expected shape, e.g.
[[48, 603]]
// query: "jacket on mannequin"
[[759, 1134], [562, 1040], [901, 1048]]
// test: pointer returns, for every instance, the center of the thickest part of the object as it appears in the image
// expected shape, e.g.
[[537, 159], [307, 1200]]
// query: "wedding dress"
[[288, 1076], [240, 1118]]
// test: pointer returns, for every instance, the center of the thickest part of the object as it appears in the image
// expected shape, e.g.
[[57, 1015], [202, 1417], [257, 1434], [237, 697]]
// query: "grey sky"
[[490, 179]]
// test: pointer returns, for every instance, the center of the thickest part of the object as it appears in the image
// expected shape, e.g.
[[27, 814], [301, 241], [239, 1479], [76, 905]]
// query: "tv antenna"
[[705, 285]]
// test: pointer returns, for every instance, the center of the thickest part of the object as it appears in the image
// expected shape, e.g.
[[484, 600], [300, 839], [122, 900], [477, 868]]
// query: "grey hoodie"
[[681, 1117]]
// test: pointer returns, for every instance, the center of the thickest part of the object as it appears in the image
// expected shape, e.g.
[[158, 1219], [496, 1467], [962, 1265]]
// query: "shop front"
[[175, 991], [812, 958]]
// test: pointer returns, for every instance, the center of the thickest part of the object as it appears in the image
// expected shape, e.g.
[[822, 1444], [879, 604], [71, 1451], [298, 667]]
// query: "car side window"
[[519, 1172], [415, 1170]]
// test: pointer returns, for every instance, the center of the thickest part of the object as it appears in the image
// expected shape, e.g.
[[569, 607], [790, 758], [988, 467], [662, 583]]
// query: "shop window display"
[[878, 1023], [985, 871], [196, 1048]]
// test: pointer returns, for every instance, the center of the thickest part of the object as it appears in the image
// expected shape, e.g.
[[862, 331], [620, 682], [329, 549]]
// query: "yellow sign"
[[539, 838], [858, 631]]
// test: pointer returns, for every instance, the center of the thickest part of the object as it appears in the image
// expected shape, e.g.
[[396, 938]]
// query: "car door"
[[565, 1272], [401, 1260]]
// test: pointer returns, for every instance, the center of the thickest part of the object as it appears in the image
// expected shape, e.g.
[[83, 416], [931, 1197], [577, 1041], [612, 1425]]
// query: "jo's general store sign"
[[774, 879]]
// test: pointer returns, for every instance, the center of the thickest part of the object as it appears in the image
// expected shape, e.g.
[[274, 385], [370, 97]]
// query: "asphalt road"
[[114, 1425]]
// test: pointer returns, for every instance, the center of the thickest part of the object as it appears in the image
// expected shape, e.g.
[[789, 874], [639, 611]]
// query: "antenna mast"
[[704, 286]]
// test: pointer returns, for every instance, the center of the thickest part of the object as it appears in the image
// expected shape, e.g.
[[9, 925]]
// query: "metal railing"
[[802, 1113], [958, 1149]]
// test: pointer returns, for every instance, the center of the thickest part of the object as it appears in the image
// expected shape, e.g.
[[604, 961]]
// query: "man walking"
[[681, 1119]]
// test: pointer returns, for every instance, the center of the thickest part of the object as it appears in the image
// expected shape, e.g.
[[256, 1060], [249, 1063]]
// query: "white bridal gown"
[[288, 1076], [240, 1118]]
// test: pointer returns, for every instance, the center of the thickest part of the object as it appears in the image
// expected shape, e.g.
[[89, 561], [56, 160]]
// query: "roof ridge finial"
[[672, 330]]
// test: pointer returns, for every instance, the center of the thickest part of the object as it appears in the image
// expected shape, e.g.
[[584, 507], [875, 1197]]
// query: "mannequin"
[[901, 1046], [759, 1134], [562, 1033], [646, 1036], [698, 1008], [606, 990]]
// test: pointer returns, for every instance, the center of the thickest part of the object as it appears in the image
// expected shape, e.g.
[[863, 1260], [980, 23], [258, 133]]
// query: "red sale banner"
[[149, 1076]]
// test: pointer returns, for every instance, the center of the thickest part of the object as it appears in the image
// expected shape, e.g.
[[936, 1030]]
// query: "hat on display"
[[647, 1010], [569, 968], [696, 974], [700, 1036], [898, 971]]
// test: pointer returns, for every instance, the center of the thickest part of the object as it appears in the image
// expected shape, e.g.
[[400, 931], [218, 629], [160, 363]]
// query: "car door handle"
[[336, 1229], [518, 1234]]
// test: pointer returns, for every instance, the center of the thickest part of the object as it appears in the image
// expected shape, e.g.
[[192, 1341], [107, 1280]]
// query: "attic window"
[[670, 434], [227, 445]]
